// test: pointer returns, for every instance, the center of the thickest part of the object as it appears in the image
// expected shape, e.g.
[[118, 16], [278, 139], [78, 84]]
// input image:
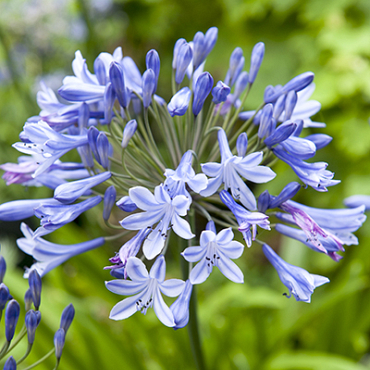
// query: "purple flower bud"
[[59, 340], [210, 39], [118, 83], [67, 317], [202, 88], [100, 72], [109, 98], [287, 193], [83, 116], [86, 156], [28, 300], [4, 295], [263, 201], [11, 319], [10, 364], [153, 62], [69, 192], [279, 106], [272, 93], [235, 66], [256, 60], [220, 92], [31, 321], [299, 82], [104, 149], [2, 268], [240, 85], [126, 204], [202, 45], [282, 133], [290, 103], [109, 200], [242, 144], [34, 281], [179, 102], [149, 83], [265, 120], [184, 57], [176, 50], [320, 140], [211, 226], [92, 136], [128, 132], [300, 125], [180, 308], [81, 92]]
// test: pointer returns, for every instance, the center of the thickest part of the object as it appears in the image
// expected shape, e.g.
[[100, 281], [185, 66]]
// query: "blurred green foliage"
[[250, 326]]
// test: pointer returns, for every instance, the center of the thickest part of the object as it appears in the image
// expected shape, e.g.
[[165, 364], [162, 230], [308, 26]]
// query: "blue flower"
[[158, 208], [202, 88], [147, 289], [203, 45], [256, 59], [247, 221], [236, 65], [50, 255], [300, 283], [215, 250], [231, 168], [220, 92], [179, 102]]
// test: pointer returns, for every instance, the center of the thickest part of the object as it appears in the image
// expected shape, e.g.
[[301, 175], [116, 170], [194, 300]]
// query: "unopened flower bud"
[[153, 62], [202, 89], [67, 317], [180, 102], [184, 57], [11, 319], [290, 103], [148, 85], [256, 59], [2, 268], [28, 300], [128, 132], [59, 340], [4, 295], [242, 144], [220, 92], [118, 83], [10, 364], [109, 200], [34, 281], [31, 322]]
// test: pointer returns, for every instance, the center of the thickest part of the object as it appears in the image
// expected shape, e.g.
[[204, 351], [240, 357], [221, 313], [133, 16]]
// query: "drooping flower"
[[300, 283], [147, 289], [231, 168], [215, 250]]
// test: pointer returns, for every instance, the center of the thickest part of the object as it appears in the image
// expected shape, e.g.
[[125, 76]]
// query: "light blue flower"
[[179, 102], [300, 283], [147, 289], [160, 208], [50, 255], [215, 250], [231, 168]]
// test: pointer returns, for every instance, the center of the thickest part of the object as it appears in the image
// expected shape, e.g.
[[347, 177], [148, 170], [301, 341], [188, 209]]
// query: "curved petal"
[[259, 174], [124, 309], [232, 250], [181, 227], [230, 269], [252, 160], [225, 236], [194, 254], [158, 270], [199, 273], [153, 245], [206, 237], [143, 198], [211, 169], [212, 187], [125, 287], [141, 220], [136, 269], [162, 311], [172, 287], [181, 204], [198, 182]]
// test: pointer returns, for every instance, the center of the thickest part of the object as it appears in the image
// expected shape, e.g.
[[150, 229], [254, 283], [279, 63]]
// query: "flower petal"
[[225, 236], [194, 254], [230, 269], [212, 187], [136, 269], [172, 287], [124, 309], [199, 273], [158, 270], [232, 250], [211, 169], [162, 311], [181, 227], [143, 198], [141, 220], [153, 244], [125, 287]]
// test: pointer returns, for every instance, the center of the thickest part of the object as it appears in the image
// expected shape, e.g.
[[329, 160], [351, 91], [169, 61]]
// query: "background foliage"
[[251, 326]]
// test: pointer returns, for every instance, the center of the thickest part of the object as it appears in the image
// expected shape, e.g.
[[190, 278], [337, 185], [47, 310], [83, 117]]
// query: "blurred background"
[[250, 326]]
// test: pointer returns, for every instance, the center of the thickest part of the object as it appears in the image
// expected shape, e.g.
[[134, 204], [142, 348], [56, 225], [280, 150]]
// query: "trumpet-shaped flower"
[[215, 250], [160, 208], [231, 168], [300, 283], [147, 289]]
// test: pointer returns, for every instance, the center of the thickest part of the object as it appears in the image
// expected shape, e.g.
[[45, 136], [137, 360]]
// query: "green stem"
[[29, 347], [41, 360]]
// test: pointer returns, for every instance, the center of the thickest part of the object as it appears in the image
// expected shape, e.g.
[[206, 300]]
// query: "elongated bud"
[[180, 102], [240, 85], [109, 200], [220, 92], [126, 204], [184, 57], [59, 340], [180, 308], [153, 62], [211, 226], [28, 300], [92, 136], [236, 65], [287, 193], [67, 317], [118, 83], [256, 59], [265, 120], [202, 89], [320, 140], [109, 98], [83, 116], [282, 133], [34, 281], [104, 149], [148, 84], [299, 82], [128, 132], [2, 268], [31, 322], [263, 201], [290, 103], [279, 106], [11, 319], [10, 364], [4, 295], [242, 144], [176, 50], [100, 72]]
